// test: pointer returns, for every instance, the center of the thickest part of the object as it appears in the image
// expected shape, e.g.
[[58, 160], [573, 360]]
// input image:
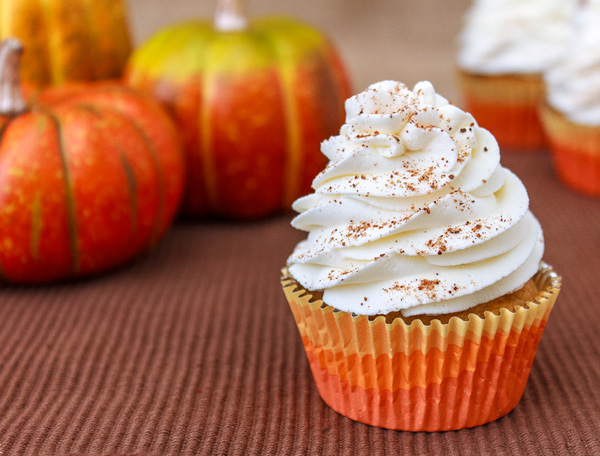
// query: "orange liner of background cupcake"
[[507, 106], [575, 151], [421, 377]]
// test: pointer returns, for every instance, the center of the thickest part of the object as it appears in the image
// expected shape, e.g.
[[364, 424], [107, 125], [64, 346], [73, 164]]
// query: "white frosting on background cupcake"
[[573, 84], [515, 36], [414, 211]]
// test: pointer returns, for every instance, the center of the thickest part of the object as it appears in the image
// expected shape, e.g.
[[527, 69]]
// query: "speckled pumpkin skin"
[[90, 177], [67, 40], [253, 107]]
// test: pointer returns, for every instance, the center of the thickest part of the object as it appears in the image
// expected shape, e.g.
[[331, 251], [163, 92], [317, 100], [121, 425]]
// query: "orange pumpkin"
[[253, 103], [67, 40], [89, 177]]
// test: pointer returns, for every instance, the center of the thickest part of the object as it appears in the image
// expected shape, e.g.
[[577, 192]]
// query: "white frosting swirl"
[[413, 211], [514, 36], [574, 83]]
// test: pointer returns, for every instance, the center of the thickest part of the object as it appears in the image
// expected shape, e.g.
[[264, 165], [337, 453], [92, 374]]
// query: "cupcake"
[[505, 47], [571, 114], [419, 293]]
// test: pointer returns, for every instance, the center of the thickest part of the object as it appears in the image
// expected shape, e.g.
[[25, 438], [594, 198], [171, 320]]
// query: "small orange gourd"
[[90, 176]]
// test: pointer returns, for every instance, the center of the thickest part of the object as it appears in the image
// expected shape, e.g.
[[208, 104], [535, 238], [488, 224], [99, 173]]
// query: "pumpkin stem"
[[229, 16], [11, 99]]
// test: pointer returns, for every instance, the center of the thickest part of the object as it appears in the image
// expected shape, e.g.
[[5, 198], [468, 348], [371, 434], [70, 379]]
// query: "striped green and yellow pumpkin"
[[253, 103], [67, 40], [90, 176]]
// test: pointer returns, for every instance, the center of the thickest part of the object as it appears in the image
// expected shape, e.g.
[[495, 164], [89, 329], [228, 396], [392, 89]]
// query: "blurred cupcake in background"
[[505, 48], [571, 115]]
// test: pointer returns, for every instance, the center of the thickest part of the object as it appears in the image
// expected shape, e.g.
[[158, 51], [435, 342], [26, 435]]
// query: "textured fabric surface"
[[193, 350]]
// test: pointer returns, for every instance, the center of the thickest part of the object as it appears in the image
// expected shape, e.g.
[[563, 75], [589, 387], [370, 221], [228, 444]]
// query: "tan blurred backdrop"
[[407, 40]]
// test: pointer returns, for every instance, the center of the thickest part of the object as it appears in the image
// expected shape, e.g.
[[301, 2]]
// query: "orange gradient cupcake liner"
[[575, 151], [417, 377], [506, 105]]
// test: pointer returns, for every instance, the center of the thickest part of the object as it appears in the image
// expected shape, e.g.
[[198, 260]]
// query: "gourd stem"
[[11, 99], [229, 16]]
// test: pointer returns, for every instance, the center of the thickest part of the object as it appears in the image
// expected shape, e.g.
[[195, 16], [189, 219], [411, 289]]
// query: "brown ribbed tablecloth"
[[193, 350]]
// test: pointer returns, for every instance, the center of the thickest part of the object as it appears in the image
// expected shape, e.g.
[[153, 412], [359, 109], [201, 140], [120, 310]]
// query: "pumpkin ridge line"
[[45, 68], [131, 183], [294, 152], [36, 225], [4, 127], [92, 36], [160, 216], [90, 108], [70, 194], [2, 273], [293, 155], [205, 143]]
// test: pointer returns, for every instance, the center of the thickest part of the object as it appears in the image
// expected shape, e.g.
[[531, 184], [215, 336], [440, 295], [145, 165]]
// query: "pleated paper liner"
[[421, 377], [575, 151], [506, 105]]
